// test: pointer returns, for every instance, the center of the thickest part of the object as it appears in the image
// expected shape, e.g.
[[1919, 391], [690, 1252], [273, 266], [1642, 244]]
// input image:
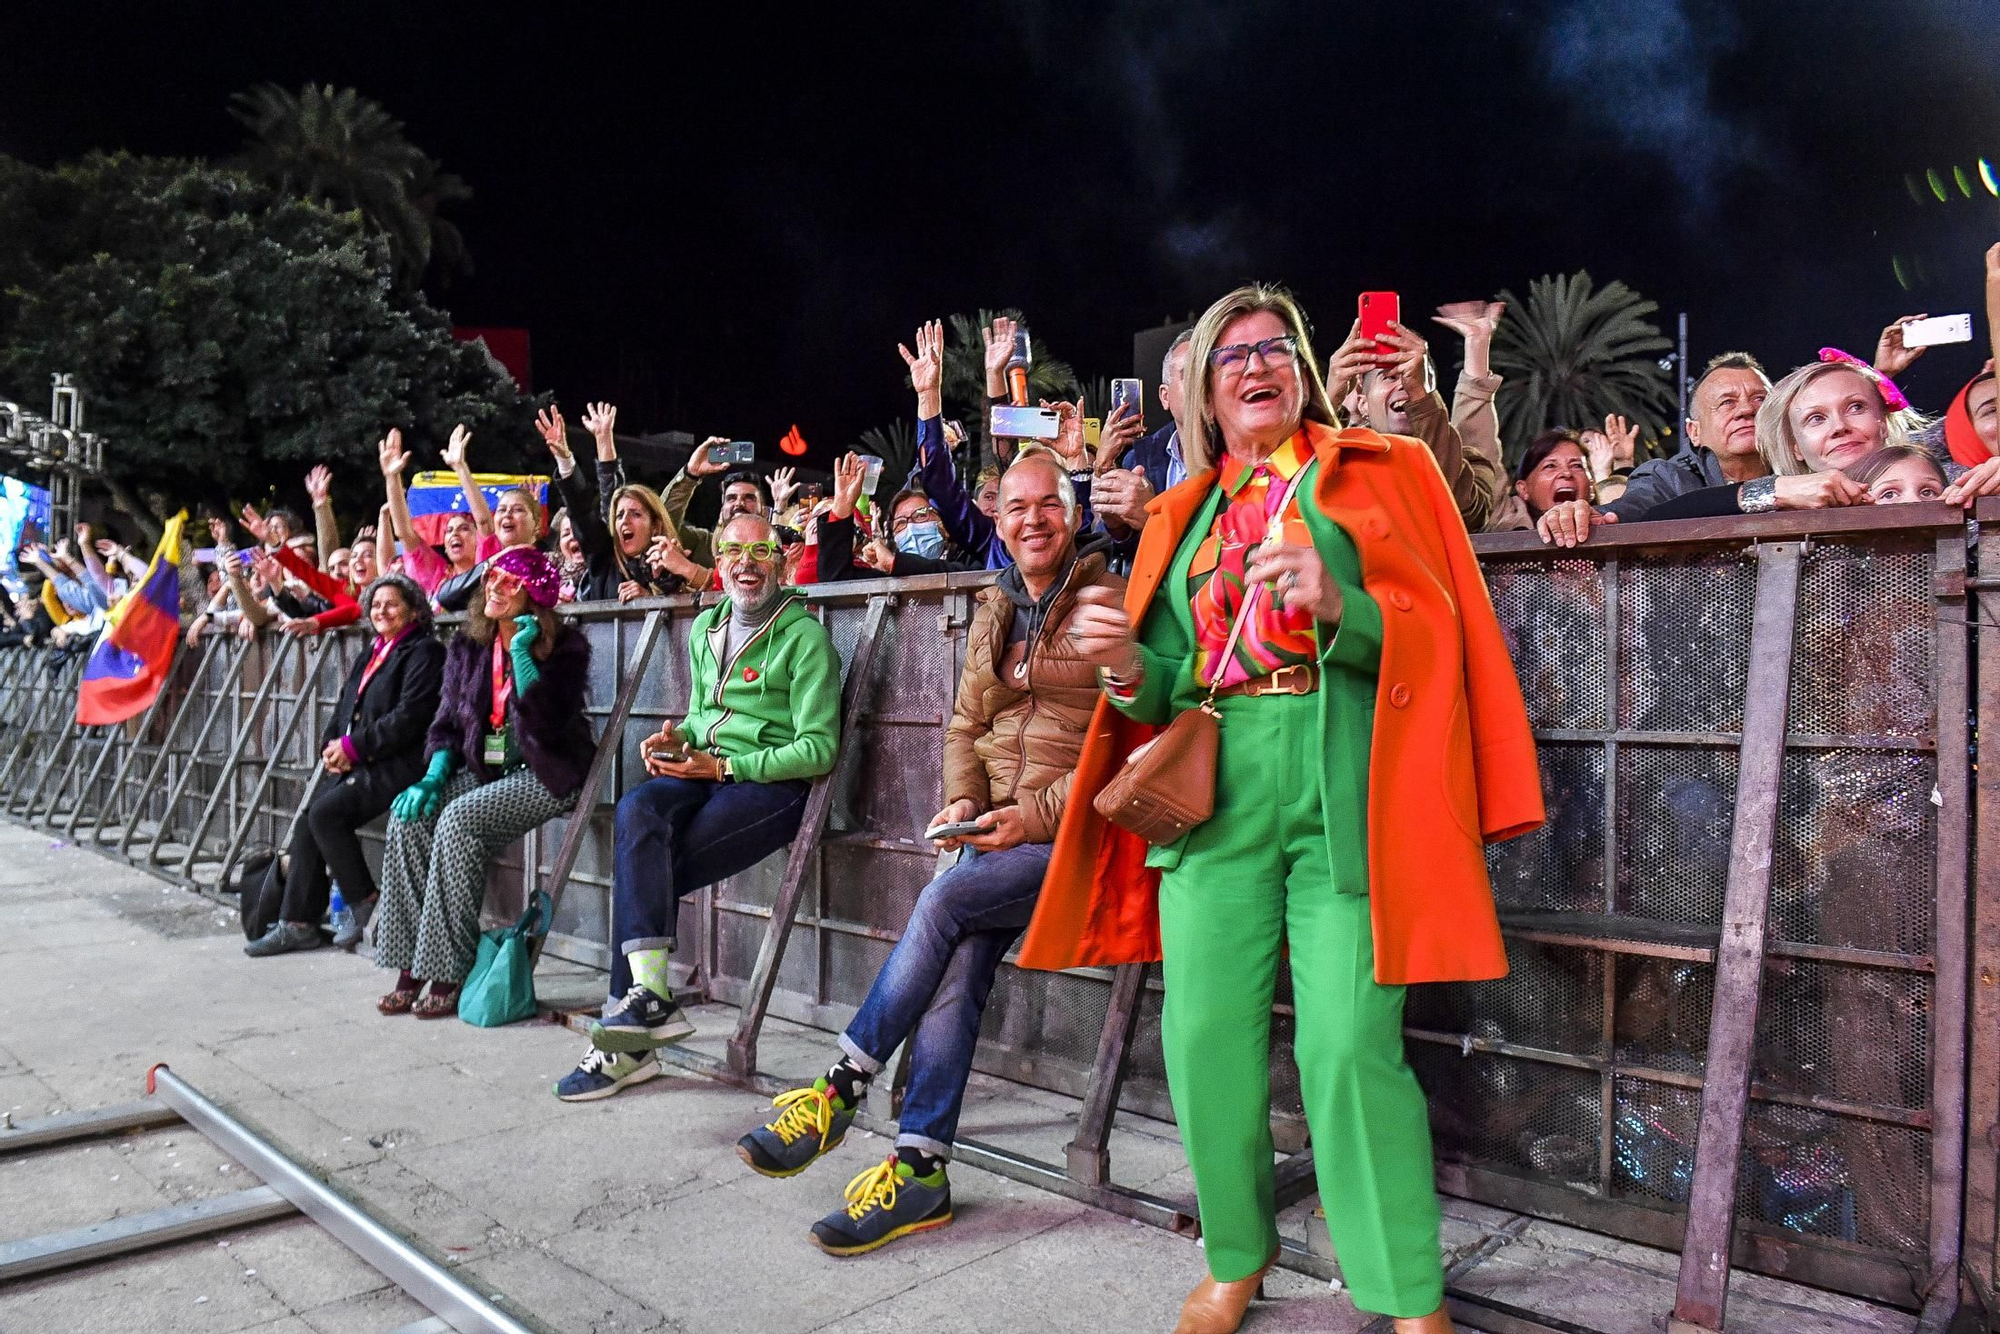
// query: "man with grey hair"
[[725, 789], [1150, 466], [1025, 699], [1721, 439]]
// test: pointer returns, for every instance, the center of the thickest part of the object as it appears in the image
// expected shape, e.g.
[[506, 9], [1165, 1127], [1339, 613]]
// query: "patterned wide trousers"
[[434, 871]]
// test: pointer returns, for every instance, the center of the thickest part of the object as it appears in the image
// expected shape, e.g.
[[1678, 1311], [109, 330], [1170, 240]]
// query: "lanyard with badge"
[[495, 752]]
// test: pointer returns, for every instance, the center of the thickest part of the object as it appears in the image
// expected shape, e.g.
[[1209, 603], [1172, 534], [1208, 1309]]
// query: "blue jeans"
[[674, 835], [934, 987]]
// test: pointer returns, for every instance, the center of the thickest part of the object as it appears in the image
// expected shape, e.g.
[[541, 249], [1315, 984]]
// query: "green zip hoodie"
[[773, 710]]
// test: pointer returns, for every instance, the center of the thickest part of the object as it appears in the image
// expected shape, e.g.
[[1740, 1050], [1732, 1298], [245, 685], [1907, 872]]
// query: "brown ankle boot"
[[1437, 1322], [1217, 1308]]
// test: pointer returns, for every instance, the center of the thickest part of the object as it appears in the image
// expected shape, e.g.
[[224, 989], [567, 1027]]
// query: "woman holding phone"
[[1372, 738]]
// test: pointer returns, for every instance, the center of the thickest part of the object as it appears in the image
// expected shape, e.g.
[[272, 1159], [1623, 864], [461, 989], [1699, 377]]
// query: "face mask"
[[921, 539]]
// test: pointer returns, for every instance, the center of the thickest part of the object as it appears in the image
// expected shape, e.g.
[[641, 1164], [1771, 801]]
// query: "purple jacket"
[[555, 736]]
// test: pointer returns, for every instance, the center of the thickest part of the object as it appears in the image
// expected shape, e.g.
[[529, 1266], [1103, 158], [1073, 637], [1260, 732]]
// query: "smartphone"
[[667, 754], [1379, 310], [1937, 330], [736, 451], [957, 829], [1126, 392], [1025, 423]]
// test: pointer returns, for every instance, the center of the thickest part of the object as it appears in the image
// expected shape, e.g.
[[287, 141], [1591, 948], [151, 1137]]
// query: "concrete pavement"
[[628, 1215]]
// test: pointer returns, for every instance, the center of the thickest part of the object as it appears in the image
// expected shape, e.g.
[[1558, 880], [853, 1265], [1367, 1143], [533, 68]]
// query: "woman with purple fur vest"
[[507, 752]]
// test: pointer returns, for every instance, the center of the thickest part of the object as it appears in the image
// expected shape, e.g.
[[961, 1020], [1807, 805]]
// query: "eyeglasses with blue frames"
[[1234, 358]]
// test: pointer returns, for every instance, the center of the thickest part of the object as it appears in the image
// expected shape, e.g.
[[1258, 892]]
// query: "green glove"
[[424, 798], [526, 670]]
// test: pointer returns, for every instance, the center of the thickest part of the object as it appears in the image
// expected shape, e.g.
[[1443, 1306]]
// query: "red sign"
[[792, 442], [508, 346]]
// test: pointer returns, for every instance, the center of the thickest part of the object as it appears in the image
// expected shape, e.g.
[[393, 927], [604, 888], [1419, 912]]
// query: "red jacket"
[[1452, 761]]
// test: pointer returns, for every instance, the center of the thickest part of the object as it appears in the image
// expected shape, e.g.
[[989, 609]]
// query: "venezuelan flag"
[[129, 664], [436, 496]]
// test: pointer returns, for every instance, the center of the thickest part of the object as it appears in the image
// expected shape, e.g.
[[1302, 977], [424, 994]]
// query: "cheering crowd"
[[1287, 553]]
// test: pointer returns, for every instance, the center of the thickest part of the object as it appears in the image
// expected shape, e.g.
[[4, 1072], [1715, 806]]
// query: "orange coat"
[[1451, 764]]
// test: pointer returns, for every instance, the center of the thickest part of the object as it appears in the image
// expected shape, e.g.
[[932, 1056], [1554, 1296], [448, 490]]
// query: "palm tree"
[[346, 151], [894, 444], [1570, 355]]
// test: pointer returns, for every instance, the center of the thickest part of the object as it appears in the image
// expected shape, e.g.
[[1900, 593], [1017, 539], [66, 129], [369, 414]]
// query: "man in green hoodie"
[[728, 788]]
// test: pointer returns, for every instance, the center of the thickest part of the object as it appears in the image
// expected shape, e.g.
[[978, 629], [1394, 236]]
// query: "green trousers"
[[1258, 877]]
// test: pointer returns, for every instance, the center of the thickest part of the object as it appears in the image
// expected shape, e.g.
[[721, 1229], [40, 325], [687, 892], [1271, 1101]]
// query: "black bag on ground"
[[260, 885]]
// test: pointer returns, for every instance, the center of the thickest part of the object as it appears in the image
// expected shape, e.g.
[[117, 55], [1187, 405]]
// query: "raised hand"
[[703, 463], [999, 340], [926, 366], [1408, 361], [1121, 430], [599, 419], [1624, 438], [1353, 359], [218, 532], [454, 449], [848, 474], [1892, 358], [391, 454], [319, 485], [1068, 443], [254, 521], [83, 535], [1597, 451], [1474, 321], [784, 485], [549, 422]]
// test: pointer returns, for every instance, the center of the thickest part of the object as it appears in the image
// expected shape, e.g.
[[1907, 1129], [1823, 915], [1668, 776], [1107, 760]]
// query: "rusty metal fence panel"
[[1576, 1088]]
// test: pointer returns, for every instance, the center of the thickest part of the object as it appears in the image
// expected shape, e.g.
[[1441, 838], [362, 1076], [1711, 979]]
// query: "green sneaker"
[[885, 1202], [810, 1124]]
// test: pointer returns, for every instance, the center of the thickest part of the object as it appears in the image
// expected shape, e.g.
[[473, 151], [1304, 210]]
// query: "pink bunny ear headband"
[[1892, 397]]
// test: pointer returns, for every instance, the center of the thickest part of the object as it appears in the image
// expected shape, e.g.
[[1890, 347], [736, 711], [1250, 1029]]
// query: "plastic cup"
[[871, 473]]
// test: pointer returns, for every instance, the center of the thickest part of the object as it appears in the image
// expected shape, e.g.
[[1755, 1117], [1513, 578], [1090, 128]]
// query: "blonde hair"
[[1779, 443], [1199, 443], [649, 501]]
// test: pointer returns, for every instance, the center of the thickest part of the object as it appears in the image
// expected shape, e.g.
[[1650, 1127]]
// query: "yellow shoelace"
[[874, 1188], [807, 1109]]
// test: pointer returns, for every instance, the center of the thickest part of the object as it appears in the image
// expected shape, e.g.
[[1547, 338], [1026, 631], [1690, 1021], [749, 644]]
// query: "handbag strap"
[[539, 910], [1250, 592]]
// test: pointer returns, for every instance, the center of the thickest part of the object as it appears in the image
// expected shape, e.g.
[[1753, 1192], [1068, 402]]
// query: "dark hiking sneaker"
[[641, 1022], [602, 1073], [886, 1202], [810, 1124], [283, 938]]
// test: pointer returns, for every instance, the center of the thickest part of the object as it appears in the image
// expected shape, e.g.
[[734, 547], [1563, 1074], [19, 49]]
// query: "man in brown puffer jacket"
[[1024, 701]]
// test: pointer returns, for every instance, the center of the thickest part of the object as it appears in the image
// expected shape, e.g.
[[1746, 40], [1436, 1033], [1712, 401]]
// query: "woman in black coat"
[[372, 749]]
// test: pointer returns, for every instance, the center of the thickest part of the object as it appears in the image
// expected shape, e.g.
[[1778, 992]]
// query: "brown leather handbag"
[[1167, 786]]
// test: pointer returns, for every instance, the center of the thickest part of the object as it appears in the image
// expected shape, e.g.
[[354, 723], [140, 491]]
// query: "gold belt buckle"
[[1293, 679]]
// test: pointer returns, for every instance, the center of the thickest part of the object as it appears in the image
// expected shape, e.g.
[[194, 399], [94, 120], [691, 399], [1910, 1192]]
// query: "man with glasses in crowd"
[[727, 788]]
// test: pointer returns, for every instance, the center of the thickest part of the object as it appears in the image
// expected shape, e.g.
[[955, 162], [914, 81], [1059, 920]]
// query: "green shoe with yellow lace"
[[810, 1122], [887, 1201]]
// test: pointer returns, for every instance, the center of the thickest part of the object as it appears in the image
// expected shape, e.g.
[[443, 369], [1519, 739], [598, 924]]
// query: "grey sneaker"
[[350, 936], [811, 1123], [885, 1202], [602, 1073], [283, 938]]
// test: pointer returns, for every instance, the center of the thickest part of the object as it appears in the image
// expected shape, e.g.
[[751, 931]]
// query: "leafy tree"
[[227, 336], [1570, 355], [896, 445], [347, 152]]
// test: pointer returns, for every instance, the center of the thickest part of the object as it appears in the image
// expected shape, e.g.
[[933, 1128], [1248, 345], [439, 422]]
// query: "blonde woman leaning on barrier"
[[1372, 736], [508, 751]]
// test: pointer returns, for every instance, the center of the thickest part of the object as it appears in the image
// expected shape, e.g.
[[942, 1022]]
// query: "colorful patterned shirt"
[[1275, 637]]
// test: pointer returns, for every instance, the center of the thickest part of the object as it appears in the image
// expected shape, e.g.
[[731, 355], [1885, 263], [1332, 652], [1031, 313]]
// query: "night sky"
[[727, 217]]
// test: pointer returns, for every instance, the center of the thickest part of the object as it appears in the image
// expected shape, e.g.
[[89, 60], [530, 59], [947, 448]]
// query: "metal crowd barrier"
[[1736, 1023]]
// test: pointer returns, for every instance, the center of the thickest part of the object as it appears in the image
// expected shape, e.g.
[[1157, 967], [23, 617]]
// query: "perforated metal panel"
[[1552, 612]]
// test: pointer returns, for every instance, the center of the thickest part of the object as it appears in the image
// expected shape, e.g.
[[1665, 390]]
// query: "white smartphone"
[[1024, 423], [957, 829], [1937, 330]]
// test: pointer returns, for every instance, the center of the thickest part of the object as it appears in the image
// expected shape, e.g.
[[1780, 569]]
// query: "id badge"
[[496, 748]]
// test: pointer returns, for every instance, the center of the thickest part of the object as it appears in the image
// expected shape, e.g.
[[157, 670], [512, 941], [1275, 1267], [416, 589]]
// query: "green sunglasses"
[[757, 551]]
